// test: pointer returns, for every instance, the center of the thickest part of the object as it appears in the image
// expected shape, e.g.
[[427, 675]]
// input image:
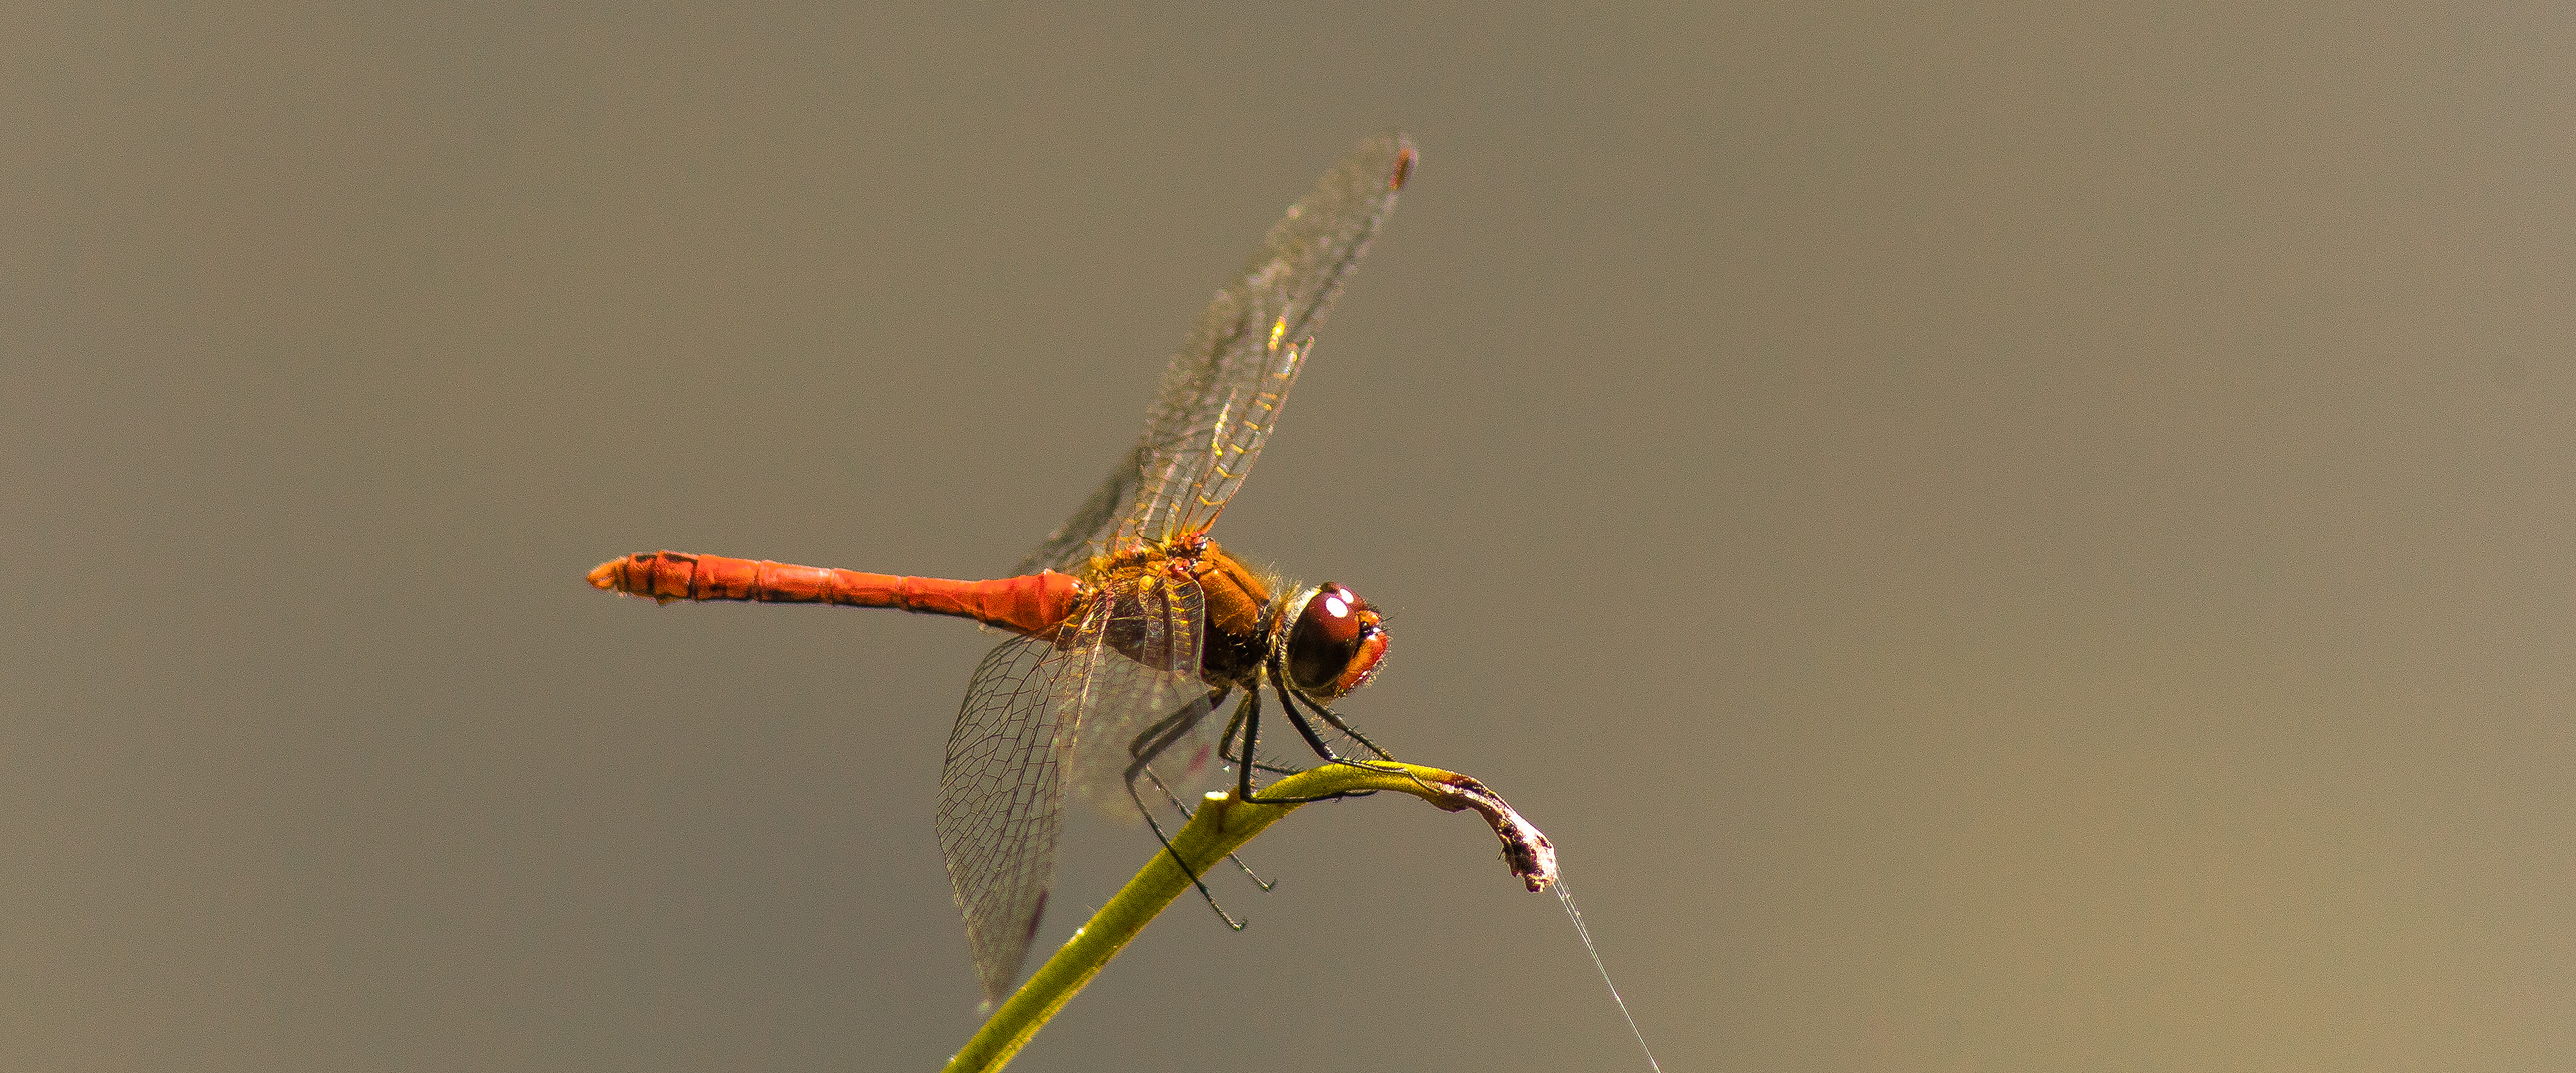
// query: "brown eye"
[[1336, 643]]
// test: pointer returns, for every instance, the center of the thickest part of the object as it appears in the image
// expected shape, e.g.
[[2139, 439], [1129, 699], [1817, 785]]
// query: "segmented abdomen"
[[1030, 604]]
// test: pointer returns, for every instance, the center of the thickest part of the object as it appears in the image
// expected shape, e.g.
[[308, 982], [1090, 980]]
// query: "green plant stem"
[[1221, 826]]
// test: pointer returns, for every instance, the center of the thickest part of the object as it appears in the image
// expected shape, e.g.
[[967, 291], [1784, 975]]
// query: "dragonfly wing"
[[1223, 391], [1031, 706], [1144, 688], [1084, 534], [1001, 802]]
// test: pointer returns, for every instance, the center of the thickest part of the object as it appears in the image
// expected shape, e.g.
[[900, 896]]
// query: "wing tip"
[[1390, 155]]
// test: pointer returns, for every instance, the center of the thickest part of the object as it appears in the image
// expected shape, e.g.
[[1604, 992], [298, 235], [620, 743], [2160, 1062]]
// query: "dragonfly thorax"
[[1239, 610], [1326, 639]]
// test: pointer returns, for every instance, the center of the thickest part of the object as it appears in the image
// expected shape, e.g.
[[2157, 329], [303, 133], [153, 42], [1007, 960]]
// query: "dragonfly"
[[1130, 627]]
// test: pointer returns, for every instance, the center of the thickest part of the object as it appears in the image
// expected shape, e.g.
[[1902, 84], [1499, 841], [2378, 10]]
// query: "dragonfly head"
[[1334, 644]]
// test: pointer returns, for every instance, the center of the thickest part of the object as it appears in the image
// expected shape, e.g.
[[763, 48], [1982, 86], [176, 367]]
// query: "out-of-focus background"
[[1994, 538]]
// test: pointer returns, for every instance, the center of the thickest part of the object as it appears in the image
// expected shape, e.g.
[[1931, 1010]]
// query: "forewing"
[[1082, 535], [1001, 801], [1224, 389]]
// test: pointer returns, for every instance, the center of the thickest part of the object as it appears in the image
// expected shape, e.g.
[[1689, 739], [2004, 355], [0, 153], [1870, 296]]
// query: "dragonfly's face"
[[1335, 644]]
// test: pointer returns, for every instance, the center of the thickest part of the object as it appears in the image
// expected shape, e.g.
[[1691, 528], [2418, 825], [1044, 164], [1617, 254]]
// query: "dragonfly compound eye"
[[1336, 644]]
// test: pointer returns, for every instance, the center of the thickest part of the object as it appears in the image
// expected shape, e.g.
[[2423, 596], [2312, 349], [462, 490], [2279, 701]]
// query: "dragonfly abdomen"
[[1030, 604]]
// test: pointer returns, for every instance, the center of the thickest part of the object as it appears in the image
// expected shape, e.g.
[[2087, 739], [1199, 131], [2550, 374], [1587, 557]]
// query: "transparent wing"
[[1084, 534], [1031, 705], [1144, 690], [1179, 749], [1224, 389], [1001, 803]]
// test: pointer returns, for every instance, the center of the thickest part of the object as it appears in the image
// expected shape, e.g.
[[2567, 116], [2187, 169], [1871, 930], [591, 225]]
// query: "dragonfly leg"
[[1385, 761], [1293, 698], [1225, 750], [1142, 751], [1188, 813], [1336, 720], [1166, 840], [1296, 719], [1248, 716], [1147, 745], [1150, 744]]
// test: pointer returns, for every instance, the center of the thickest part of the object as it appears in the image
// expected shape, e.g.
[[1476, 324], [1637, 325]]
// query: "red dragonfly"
[[1132, 626]]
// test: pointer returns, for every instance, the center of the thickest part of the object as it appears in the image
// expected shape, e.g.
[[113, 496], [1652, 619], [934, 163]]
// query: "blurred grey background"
[[1994, 537]]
